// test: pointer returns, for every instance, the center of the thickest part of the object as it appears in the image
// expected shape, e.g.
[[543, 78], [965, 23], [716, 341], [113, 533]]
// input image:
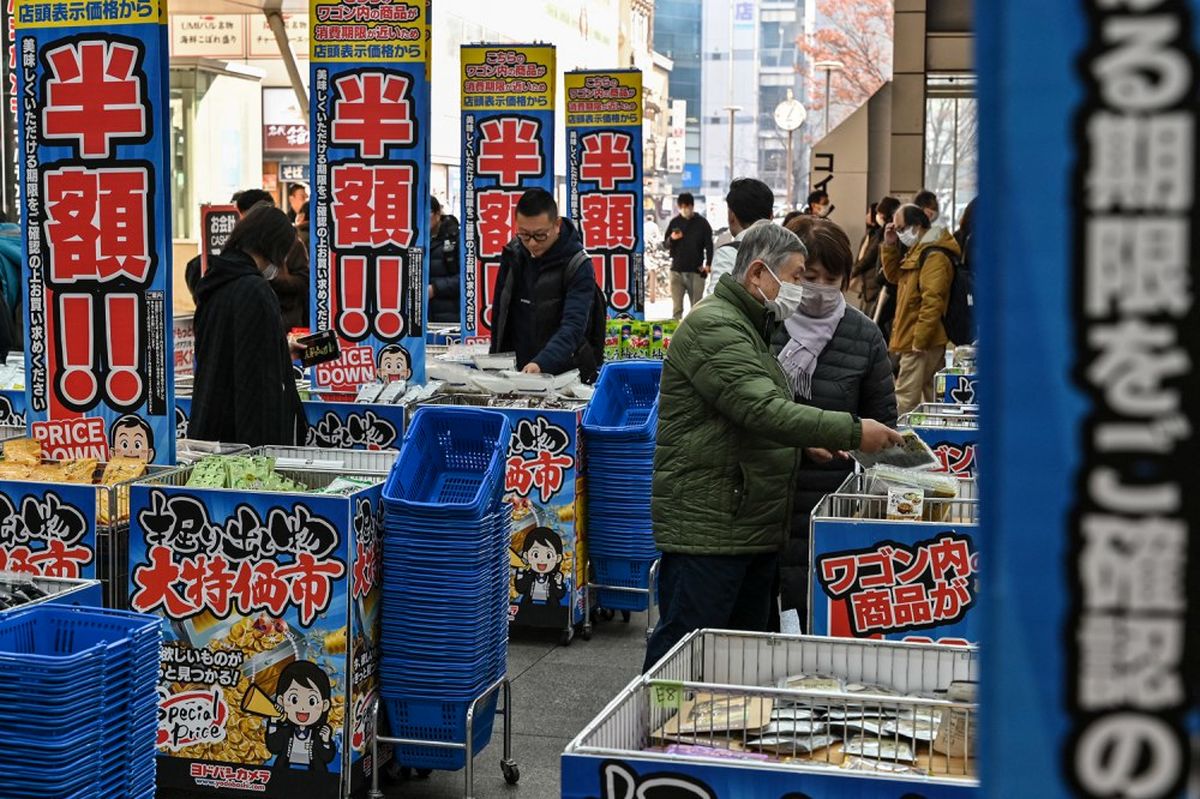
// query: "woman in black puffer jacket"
[[837, 360]]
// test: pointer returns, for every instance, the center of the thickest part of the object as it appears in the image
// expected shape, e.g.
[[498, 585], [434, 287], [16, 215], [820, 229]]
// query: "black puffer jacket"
[[443, 272], [854, 374]]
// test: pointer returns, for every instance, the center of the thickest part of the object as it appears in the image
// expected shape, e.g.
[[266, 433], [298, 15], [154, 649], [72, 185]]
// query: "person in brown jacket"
[[922, 276]]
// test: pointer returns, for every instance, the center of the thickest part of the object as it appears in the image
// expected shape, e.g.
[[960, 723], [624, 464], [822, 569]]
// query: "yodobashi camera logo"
[[192, 717]]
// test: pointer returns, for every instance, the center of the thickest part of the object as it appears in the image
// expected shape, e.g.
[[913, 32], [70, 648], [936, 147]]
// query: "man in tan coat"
[[922, 276]]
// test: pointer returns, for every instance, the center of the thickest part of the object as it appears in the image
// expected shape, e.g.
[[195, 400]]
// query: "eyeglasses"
[[540, 237]]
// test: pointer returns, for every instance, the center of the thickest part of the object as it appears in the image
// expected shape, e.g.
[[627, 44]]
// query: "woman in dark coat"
[[245, 388], [836, 360], [443, 265]]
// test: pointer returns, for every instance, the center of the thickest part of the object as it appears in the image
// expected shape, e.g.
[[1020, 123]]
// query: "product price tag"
[[667, 695]]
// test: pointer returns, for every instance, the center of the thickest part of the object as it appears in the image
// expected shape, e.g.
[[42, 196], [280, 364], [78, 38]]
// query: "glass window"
[[951, 143]]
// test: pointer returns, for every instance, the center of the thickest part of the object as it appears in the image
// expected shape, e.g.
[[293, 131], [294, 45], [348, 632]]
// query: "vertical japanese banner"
[[370, 166], [1092, 493], [507, 148], [97, 224], [604, 180]]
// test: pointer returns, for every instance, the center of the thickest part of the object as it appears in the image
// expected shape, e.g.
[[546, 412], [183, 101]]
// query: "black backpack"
[[959, 319], [590, 355]]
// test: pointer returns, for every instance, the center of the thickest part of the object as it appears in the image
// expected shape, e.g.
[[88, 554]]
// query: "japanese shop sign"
[[216, 223], [335, 425], [543, 481], [955, 448], [284, 126], [956, 388], [208, 36], [370, 167], [1106, 650], [907, 581], [48, 529], [97, 222], [259, 593], [262, 39], [507, 148], [185, 345], [604, 180]]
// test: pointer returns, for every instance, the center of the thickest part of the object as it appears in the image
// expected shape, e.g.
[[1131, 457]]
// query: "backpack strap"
[[577, 260]]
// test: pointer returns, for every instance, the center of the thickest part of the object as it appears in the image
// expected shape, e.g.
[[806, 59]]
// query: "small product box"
[[905, 504]]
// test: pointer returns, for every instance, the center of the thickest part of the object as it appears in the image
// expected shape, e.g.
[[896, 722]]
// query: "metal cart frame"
[[651, 592], [508, 766]]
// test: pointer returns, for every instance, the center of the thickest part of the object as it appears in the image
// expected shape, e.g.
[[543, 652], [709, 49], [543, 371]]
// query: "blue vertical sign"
[[370, 165], [93, 100], [604, 180], [1090, 398], [507, 148]]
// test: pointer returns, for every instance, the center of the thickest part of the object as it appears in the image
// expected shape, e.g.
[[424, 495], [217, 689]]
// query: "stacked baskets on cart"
[[619, 428], [79, 692], [445, 582]]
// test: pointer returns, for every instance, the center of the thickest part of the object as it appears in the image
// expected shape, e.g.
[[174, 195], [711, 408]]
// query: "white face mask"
[[787, 301], [908, 237], [819, 301]]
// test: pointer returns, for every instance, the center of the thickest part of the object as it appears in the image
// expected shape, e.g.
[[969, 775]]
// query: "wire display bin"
[[335, 424], [319, 459], [956, 386], [545, 484], [951, 431], [8, 432], [912, 580], [270, 601], [23, 591], [729, 714]]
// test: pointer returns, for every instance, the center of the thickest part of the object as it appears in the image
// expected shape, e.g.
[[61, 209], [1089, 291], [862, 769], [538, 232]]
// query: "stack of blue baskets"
[[619, 428], [79, 692], [447, 531]]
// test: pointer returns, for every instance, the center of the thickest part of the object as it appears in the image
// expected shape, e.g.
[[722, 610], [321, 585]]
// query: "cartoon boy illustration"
[[131, 437], [541, 582], [301, 737], [394, 364]]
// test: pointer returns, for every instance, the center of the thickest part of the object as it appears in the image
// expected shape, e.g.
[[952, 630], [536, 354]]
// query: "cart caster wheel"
[[423, 773], [512, 774], [586, 633], [565, 638], [625, 616], [399, 772], [607, 614]]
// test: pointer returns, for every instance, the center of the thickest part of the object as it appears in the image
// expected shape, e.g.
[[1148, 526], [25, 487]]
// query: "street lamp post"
[[830, 67], [732, 109]]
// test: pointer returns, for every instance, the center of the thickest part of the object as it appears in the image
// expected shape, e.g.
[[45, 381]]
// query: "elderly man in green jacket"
[[729, 439]]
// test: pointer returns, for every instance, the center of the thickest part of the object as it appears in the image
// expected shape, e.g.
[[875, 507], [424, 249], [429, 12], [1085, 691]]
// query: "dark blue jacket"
[[538, 315]]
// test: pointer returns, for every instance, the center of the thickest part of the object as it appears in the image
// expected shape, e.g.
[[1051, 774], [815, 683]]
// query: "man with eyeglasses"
[[546, 294]]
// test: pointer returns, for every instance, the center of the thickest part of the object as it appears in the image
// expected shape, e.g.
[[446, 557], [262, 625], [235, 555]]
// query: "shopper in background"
[[245, 389], [965, 232], [689, 239], [443, 265], [818, 204], [297, 198], [748, 201], [547, 301], [866, 280], [727, 446], [922, 276], [835, 359], [927, 201]]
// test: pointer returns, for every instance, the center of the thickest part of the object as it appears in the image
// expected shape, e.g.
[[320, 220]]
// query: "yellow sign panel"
[[604, 98], [85, 13], [390, 30], [516, 77]]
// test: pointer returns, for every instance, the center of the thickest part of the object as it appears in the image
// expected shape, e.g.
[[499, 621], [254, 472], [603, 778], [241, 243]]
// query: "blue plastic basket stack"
[[619, 428], [447, 531], [78, 688]]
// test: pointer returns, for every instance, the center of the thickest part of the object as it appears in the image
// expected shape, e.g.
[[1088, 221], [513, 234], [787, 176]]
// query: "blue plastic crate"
[[621, 573], [626, 400]]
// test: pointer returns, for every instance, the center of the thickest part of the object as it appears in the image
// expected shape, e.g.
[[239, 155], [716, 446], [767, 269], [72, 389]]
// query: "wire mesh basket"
[[860, 499]]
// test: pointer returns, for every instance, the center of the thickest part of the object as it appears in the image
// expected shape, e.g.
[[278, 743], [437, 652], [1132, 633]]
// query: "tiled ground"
[[556, 692]]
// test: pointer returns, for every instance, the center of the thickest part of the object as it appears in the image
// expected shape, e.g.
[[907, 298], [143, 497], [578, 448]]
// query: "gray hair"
[[767, 242]]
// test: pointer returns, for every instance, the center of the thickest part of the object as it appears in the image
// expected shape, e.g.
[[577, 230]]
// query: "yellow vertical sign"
[[389, 31], [507, 77], [603, 98]]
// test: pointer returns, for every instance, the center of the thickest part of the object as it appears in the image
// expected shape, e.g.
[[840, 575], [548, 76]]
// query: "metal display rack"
[[57, 590], [694, 719], [651, 593]]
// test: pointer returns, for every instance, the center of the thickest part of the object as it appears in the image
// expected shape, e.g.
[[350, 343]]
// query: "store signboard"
[[263, 43], [216, 223], [295, 173], [265, 598], [604, 180], [96, 222], [48, 529], [284, 126], [184, 336], [1089, 458], [904, 581], [335, 425], [507, 148], [956, 448], [370, 166], [208, 35]]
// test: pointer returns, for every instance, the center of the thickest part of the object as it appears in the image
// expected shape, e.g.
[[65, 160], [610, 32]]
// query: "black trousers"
[[728, 592]]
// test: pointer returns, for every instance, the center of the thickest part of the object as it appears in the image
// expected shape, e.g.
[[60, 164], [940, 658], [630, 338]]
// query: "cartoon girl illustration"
[[301, 737], [541, 582]]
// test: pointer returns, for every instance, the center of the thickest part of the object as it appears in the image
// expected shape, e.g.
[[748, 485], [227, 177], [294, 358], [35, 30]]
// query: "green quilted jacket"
[[729, 433]]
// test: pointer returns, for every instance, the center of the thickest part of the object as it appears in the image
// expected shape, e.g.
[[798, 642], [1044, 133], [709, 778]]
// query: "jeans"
[[727, 592], [690, 284]]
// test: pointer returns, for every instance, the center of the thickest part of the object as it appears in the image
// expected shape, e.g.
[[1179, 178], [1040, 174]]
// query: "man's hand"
[[676, 235], [889, 235], [431, 292], [820, 455], [295, 349], [705, 271], [532, 369], [876, 436]]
